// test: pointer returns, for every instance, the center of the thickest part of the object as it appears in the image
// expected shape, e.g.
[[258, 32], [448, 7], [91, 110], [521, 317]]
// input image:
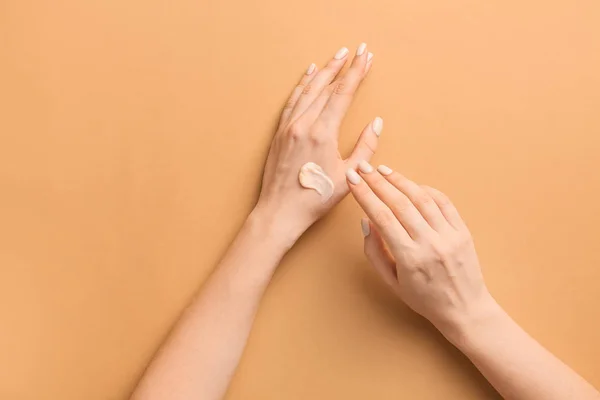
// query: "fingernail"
[[311, 69], [377, 126], [365, 227], [383, 170], [365, 167], [369, 57], [361, 49], [353, 176], [341, 53]]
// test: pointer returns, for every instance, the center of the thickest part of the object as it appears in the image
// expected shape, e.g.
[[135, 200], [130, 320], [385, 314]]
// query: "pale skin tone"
[[414, 238], [200, 356], [420, 246]]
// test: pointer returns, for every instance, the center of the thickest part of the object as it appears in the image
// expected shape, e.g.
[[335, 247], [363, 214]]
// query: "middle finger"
[[410, 218], [323, 78]]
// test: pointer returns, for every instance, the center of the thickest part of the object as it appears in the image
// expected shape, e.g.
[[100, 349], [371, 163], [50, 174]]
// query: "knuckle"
[[295, 131], [443, 200], [411, 260], [442, 251], [317, 138], [368, 147], [440, 197], [422, 199], [340, 88], [329, 71], [307, 89], [383, 218], [289, 104], [294, 97], [465, 239], [401, 203]]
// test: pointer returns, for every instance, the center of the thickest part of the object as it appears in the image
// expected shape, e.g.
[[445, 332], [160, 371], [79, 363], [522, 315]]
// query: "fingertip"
[[365, 226], [360, 50], [341, 53], [352, 176], [367, 143], [377, 126], [384, 170], [369, 63]]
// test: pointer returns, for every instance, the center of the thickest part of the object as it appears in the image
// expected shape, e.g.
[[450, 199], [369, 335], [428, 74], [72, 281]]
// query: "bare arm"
[[200, 356], [515, 363], [423, 250]]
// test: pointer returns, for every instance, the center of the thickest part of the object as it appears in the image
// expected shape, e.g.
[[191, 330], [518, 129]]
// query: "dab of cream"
[[312, 176]]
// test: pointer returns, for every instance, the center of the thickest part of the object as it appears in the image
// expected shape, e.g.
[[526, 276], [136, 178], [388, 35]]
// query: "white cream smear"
[[312, 176]]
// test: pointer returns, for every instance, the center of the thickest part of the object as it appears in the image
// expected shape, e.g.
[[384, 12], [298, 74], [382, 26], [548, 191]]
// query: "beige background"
[[132, 140]]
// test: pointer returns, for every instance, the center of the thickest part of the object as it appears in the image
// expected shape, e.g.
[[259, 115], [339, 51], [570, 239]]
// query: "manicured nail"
[[311, 69], [383, 170], [353, 176], [369, 57], [377, 126], [365, 167], [341, 53], [365, 227], [361, 49]]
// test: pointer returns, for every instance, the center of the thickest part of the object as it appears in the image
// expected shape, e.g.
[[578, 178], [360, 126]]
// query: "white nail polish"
[[383, 170], [365, 167], [353, 176], [361, 49], [377, 126], [365, 227], [369, 57], [311, 69], [341, 53]]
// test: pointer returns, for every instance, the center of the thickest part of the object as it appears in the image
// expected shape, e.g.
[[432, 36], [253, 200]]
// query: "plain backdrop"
[[132, 139]]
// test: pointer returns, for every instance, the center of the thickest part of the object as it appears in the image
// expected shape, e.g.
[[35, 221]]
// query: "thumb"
[[378, 254]]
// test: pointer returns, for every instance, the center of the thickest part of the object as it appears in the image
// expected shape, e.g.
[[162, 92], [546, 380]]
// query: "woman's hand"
[[421, 247], [308, 132], [423, 250]]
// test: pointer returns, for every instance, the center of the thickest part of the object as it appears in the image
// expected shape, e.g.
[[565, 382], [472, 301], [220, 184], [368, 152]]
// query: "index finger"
[[388, 225]]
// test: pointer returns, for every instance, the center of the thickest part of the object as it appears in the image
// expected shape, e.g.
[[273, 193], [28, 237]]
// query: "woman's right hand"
[[419, 244]]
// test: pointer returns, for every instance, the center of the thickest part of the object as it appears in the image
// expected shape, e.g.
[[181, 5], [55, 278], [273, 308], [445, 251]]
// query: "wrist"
[[273, 229], [483, 316]]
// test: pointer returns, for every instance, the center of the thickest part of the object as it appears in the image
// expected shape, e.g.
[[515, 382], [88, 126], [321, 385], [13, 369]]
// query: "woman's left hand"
[[308, 132]]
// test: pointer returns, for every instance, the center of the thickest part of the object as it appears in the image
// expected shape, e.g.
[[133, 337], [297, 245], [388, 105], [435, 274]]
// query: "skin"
[[200, 356], [416, 241], [420, 246]]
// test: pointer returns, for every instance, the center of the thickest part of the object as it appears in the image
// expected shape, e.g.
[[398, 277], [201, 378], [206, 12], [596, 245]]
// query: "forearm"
[[201, 354], [515, 363]]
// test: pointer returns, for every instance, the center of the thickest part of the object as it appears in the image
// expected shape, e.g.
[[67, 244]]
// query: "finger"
[[369, 63], [321, 80], [308, 76], [404, 210], [447, 208], [366, 145], [314, 111], [343, 90], [377, 253], [421, 199], [383, 218]]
